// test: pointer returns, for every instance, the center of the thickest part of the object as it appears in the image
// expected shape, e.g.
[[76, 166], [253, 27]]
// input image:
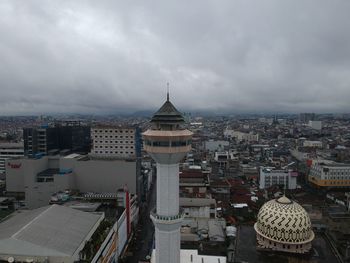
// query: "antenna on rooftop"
[[167, 93]]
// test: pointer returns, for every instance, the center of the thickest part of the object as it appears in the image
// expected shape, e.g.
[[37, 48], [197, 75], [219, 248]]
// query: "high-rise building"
[[45, 139], [306, 117], [110, 141], [167, 143]]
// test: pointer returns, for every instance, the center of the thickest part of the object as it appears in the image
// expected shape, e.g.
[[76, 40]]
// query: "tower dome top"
[[167, 114]]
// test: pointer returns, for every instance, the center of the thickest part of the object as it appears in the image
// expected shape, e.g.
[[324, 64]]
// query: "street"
[[144, 234]]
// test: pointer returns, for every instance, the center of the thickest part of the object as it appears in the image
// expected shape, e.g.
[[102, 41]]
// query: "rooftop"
[[55, 230]]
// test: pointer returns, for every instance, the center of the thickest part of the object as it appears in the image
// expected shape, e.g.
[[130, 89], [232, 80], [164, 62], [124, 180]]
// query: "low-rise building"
[[40, 178], [48, 234], [316, 144], [198, 207], [242, 136], [213, 145], [270, 176], [329, 174]]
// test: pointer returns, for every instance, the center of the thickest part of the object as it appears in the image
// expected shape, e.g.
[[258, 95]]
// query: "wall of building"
[[197, 212], [323, 174], [317, 144], [9, 151], [213, 146], [316, 125], [241, 136], [270, 177], [105, 175], [114, 142], [86, 176]]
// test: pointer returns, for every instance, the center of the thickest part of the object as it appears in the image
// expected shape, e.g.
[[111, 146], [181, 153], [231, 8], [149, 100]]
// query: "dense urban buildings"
[[236, 165]]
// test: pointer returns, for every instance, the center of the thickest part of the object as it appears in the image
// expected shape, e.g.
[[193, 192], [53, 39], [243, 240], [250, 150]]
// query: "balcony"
[[167, 219]]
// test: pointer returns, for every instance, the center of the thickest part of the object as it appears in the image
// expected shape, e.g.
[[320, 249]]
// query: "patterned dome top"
[[284, 221]]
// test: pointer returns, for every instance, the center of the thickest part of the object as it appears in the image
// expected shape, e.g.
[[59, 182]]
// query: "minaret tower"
[[167, 143]]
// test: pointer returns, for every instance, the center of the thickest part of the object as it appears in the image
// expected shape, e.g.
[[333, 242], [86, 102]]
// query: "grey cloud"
[[232, 56]]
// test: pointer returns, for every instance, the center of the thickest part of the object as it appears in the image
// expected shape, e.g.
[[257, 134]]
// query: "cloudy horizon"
[[220, 56]]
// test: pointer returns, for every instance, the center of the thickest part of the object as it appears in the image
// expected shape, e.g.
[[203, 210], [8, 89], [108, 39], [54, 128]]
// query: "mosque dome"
[[284, 225]]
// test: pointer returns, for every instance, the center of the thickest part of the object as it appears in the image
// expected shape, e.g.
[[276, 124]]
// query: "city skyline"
[[232, 57]]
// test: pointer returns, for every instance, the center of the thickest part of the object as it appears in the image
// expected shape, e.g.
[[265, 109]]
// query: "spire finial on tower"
[[167, 93]]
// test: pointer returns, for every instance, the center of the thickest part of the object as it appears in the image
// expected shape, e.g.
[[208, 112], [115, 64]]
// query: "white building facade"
[[241, 136], [113, 142], [329, 174], [316, 125], [270, 176], [9, 151], [316, 144]]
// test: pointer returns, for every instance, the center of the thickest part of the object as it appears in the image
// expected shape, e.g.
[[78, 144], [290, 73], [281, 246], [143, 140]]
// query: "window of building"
[[161, 144]]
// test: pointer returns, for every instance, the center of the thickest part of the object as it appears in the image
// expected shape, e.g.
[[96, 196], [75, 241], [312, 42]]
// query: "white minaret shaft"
[[167, 144], [167, 189]]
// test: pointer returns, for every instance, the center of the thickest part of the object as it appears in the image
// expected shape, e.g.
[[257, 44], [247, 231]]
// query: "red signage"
[[14, 165]]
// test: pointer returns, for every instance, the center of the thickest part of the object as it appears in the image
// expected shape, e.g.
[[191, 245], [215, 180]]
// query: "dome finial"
[[167, 93]]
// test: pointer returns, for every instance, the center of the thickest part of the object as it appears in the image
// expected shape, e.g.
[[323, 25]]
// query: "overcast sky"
[[225, 56]]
